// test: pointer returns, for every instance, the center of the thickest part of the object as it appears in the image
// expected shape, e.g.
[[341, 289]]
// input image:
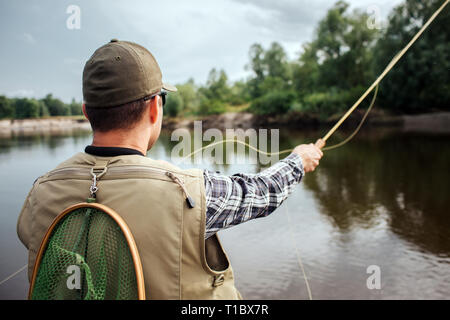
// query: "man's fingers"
[[320, 152], [320, 143]]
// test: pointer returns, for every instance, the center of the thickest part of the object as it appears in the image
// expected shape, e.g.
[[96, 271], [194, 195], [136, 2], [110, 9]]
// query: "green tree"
[[271, 69], [215, 94], [257, 66], [188, 93], [6, 108], [27, 108], [216, 86], [55, 106], [208, 107], [239, 93], [173, 105], [343, 48], [337, 63], [43, 111], [276, 63], [421, 79], [273, 103], [75, 108], [306, 71]]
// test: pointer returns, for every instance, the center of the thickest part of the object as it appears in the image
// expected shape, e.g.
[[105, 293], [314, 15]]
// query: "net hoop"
[[124, 228]]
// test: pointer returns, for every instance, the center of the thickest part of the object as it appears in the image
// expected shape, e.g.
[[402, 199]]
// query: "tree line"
[[344, 57], [23, 108]]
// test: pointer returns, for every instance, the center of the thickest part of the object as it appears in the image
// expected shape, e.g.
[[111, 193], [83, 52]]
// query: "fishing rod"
[[375, 84], [391, 64]]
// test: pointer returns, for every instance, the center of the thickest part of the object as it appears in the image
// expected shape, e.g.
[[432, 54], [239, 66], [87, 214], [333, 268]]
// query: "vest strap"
[[100, 166], [218, 280]]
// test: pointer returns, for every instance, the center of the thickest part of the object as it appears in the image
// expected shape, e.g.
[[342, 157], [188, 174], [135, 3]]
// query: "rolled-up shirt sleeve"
[[232, 200]]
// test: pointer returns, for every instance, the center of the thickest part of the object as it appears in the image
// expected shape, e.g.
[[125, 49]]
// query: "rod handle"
[[320, 143]]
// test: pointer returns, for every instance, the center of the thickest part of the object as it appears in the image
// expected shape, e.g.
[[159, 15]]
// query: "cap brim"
[[169, 87]]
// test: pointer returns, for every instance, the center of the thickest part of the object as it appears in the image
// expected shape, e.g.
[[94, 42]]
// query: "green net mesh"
[[87, 258]]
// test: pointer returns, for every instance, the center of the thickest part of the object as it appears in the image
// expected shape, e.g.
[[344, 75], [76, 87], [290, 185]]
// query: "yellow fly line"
[[287, 150], [325, 138], [374, 85], [386, 70]]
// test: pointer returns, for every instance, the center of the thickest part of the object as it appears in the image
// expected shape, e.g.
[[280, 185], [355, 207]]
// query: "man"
[[173, 214]]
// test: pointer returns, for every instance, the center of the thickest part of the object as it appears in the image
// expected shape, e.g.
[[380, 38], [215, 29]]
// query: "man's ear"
[[84, 111], [154, 110]]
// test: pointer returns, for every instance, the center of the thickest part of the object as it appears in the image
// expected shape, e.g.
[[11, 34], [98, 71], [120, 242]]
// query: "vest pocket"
[[215, 257]]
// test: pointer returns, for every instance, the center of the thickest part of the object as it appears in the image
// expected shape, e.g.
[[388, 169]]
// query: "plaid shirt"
[[231, 200]]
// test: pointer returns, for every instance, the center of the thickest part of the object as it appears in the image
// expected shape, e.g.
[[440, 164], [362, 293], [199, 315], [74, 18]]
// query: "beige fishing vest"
[[150, 196]]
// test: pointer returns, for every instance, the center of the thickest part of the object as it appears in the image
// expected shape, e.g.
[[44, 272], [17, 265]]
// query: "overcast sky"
[[39, 54]]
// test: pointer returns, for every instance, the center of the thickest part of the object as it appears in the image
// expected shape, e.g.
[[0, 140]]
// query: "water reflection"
[[51, 140], [381, 199], [383, 174], [403, 176]]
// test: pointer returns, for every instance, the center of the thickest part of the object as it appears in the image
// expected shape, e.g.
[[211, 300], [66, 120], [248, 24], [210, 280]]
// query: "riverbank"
[[50, 125], [364, 205], [438, 122]]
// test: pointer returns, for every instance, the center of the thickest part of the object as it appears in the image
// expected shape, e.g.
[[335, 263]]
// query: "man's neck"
[[120, 139]]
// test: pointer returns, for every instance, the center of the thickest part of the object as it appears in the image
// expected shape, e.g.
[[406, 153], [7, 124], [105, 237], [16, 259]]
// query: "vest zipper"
[[128, 169]]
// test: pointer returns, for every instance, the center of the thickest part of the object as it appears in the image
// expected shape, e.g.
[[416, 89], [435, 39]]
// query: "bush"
[[188, 93], [27, 108], [328, 103], [55, 106], [76, 108], [6, 108], [297, 107], [22, 108], [318, 102], [208, 107], [174, 105], [43, 111], [275, 102], [239, 94]]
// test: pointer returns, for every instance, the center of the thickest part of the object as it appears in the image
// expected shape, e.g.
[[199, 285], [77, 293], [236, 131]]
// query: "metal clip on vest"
[[93, 188]]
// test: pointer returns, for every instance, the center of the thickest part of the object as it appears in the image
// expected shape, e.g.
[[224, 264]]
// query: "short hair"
[[118, 117]]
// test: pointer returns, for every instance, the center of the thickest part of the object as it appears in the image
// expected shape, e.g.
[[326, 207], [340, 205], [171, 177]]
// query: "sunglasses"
[[162, 94]]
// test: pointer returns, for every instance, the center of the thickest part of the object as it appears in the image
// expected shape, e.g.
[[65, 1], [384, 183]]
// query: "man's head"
[[123, 89]]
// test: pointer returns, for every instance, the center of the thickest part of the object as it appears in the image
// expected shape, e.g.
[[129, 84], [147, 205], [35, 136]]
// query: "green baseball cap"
[[121, 72]]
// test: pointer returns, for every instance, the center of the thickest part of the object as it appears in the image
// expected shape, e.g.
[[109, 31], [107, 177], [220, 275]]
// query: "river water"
[[380, 203]]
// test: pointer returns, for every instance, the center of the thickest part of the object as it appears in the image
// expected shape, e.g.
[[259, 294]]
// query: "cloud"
[[22, 93], [293, 22], [29, 38], [188, 39]]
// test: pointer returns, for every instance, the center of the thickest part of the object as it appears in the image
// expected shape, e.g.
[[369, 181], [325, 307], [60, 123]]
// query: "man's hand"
[[310, 154]]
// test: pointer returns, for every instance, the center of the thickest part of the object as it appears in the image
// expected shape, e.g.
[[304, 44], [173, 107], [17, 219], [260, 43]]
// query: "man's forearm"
[[232, 200]]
